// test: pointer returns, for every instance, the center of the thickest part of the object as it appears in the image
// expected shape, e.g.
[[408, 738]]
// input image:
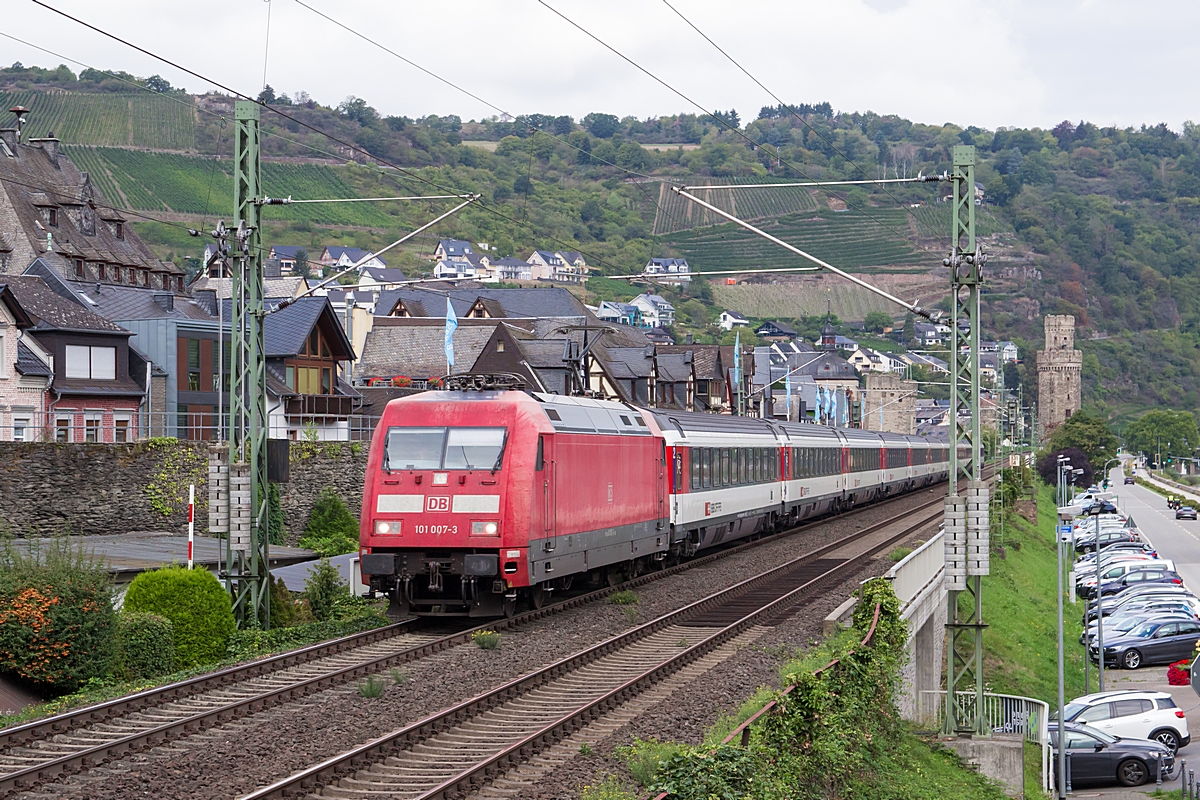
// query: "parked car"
[[1149, 605], [1098, 758], [1143, 576], [1131, 714], [1152, 642], [1113, 569], [1185, 512], [1130, 480], [1087, 542], [1117, 549], [1120, 624]]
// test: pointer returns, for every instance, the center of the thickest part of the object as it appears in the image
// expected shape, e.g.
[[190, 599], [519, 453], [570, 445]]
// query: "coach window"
[[773, 464], [694, 456], [725, 467], [705, 467]]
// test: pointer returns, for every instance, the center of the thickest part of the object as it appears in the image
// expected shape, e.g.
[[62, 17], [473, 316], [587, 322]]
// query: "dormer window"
[[53, 217], [119, 230], [116, 274], [100, 271], [79, 268], [133, 273]]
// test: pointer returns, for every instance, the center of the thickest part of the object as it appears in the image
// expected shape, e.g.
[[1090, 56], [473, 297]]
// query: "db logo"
[[437, 504]]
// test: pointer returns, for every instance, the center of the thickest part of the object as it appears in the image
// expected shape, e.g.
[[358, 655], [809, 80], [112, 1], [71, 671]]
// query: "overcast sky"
[[995, 63]]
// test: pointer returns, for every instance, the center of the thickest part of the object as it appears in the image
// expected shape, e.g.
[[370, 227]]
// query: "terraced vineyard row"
[[677, 213], [111, 120], [179, 183], [847, 240], [935, 219]]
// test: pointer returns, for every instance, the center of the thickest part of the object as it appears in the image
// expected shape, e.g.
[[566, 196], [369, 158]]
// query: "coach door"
[[662, 484], [546, 466]]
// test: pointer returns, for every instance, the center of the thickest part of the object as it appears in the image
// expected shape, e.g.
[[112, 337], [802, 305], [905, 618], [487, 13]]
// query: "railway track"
[[455, 750], [43, 750]]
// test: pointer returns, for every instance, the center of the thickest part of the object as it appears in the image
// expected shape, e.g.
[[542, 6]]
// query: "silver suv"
[[1132, 714]]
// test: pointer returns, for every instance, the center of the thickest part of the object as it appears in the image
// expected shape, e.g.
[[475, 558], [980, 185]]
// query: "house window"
[[116, 274], [193, 348], [100, 271], [62, 429], [133, 276], [91, 363], [499, 347], [91, 428], [119, 230], [79, 268], [54, 217], [3, 354], [121, 430]]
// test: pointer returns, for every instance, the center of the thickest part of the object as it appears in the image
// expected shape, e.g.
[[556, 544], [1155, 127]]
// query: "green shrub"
[[283, 607], [645, 757], [371, 687], [332, 530], [57, 622], [487, 640], [899, 553], [145, 646], [625, 597], [323, 588], [197, 605]]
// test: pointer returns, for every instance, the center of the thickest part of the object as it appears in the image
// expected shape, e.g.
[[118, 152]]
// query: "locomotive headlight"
[[384, 528], [485, 528]]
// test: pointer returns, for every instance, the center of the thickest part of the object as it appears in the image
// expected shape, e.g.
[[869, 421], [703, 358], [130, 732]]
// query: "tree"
[[303, 268], [1012, 375], [1086, 432], [267, 95], [601, 126], [910, 328], [1172, 432], [156, 83], [1047, 466], [876, 321]]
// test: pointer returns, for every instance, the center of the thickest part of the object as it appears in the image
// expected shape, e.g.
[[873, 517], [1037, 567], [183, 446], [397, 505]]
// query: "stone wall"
[[89, 489]]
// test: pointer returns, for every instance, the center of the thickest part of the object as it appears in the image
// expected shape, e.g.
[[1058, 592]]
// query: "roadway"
[[1178, 540]]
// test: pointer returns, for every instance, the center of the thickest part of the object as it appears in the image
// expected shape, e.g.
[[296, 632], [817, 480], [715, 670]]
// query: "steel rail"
[[318, 775], [83, 759]]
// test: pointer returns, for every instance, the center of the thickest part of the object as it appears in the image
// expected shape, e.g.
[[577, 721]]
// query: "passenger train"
[[475, 499]]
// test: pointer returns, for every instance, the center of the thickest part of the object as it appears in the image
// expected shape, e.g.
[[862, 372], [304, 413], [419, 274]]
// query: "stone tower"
[[1060, 370], [889, 404]]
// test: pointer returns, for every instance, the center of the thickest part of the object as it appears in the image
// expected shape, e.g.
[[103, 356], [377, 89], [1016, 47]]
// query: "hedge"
[[56, 616], [145, 646], [195, 603], [332, 530]]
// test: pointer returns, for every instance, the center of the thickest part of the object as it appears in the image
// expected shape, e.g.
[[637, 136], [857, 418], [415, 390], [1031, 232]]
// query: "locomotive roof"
[[584, 415]]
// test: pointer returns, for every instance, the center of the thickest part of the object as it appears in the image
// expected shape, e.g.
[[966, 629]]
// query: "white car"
[[1132, 714], [1085, 582]]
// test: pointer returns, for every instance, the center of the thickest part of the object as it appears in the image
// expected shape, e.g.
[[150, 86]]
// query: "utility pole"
[[967, 538], [247, 548]]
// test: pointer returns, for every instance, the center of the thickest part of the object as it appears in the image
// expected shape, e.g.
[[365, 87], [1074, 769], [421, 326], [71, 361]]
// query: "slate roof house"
[[775, 331], [49, 209], [372, 277], [97, 382], [343, 257], [287, 255], [562, 267], [676, 268], [619, 313], [732, 319], [451, 250], [656, 311], [510, 268]]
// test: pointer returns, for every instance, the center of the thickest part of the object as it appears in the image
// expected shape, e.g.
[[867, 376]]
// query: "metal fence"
[[1005, 713], [914, 572], [126, 426]]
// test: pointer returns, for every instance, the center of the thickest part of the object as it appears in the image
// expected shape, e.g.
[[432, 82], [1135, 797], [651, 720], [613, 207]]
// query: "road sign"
[[1194, 674], [1064, 529]]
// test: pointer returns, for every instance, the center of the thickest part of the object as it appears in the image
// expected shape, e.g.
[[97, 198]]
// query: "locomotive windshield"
[[444, 448]]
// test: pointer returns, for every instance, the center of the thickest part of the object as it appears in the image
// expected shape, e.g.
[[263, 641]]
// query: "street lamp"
[[1063, 468]]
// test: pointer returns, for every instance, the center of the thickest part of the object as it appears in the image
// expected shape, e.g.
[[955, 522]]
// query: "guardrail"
[[917, 569], [1005, 713]]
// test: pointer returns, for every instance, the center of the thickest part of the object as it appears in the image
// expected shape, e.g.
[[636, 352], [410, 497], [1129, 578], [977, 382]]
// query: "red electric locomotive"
[[475, 498]]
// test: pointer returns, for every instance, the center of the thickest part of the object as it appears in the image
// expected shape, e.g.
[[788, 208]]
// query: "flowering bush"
[[1178, 673], [435, 382], [57, 621]]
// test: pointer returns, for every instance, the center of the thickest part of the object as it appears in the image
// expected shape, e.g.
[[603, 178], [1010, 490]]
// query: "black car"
[[1152, 642], [1185, 512], [1130, 480], [1097, 758], [1138, 577]]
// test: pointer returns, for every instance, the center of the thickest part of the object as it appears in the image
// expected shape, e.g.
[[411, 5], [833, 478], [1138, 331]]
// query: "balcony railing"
[[325, 405]]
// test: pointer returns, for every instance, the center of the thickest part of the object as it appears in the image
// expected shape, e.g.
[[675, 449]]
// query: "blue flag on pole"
[[787, 387], [451, 326]]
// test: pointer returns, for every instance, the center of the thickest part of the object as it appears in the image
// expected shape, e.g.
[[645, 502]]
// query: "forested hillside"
[[1102, 223]]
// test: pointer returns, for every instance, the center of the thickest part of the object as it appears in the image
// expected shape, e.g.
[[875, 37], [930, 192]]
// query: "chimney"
[[687, 339], [50, 145], [165, 301]]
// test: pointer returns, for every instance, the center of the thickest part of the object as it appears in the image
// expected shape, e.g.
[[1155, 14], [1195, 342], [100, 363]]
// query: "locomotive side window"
[[541, 454]]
